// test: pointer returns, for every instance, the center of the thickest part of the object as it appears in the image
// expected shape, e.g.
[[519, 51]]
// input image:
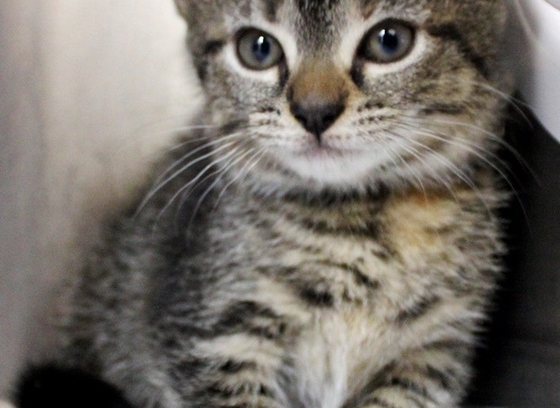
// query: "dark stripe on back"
[[449, 32]]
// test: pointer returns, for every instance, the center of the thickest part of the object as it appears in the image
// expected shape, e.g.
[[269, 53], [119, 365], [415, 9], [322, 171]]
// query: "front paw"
[[52, 386]]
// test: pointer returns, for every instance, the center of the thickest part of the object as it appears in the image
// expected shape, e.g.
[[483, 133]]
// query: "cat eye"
[[258, 50], [388, 41]]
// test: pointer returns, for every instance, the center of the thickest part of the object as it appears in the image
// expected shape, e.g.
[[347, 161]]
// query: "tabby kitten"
[[328, 237]]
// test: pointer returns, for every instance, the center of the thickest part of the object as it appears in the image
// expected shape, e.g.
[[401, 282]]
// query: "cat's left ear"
[[183, 6]]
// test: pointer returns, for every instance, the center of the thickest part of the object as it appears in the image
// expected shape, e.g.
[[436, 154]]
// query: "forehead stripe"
[[450, 32], [271, 8]]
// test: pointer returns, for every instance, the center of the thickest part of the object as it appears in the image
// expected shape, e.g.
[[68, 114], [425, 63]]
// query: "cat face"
[[349, 94]]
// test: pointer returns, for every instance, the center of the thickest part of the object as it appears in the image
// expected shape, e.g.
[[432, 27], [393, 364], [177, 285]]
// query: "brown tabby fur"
[[265, 266]]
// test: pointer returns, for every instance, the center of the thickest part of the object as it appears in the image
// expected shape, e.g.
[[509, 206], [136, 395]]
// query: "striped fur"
[[267, 267]]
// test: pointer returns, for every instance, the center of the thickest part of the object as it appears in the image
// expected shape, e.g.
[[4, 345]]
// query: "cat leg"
[[434, 376], [237, 370]]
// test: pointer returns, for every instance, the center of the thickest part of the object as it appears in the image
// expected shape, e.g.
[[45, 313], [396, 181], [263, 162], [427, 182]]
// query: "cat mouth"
[[322, 148], [327, 164], [322, 151]]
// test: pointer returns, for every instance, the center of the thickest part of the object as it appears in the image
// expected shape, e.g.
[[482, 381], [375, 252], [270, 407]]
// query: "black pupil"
[[262, 48], [389, 40]]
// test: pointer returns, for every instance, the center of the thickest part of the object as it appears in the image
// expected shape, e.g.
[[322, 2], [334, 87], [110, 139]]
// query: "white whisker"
[[158, 185], [480, 153], [222, 172], [391, 136], [194, 181], [243, 171], [195, 151], [455, 169]]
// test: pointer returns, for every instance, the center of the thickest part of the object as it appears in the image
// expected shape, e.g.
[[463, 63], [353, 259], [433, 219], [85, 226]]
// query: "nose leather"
[[317, 95]]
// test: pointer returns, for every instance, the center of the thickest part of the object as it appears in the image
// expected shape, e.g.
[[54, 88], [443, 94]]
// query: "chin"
[[334, 169]]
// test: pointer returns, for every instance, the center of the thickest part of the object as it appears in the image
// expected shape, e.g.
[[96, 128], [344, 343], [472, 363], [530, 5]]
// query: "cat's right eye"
[[258, 50]]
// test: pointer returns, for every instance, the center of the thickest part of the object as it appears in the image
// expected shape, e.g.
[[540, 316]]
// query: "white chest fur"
[[336, 357]]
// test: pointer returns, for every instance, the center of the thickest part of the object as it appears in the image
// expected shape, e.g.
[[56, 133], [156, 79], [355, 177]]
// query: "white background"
[[88, 89]]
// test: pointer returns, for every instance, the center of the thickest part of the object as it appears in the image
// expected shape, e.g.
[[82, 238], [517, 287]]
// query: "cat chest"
[[336, 356]]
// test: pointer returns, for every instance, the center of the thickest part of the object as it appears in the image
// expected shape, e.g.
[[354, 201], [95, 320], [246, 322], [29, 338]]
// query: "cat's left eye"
[[258, 50], [388, 41]]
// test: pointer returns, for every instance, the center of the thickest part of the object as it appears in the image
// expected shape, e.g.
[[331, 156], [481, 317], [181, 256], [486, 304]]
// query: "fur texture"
[[274, 262]]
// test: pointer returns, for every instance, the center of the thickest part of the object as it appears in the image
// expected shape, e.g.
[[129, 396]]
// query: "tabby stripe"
[[224, 391], [411, 386], [357, 74], [232, 322], [359, 276], [451, 33], [271, 332], [242, 316], [234, 367], [271, 10], [458, 349], [213, 47], [205, 405], [448, 109], [419, 309], [315, 10], [377, 402], [317, 298], [363, 279], [444, 379], [371, 230]]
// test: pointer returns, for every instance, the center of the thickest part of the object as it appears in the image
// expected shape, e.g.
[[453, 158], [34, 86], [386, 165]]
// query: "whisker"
[[194, 181], [457, 171], [463, 144], [159, 184], [245, 169], [211, 143], [510, 99], [515, 102], [145, 135], [520, 159], [222, 172], [392, 136], [472, 126], [433, 174], [475, 150]]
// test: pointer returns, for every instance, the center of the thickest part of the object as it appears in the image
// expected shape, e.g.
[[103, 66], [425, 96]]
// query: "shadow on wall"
[[519, 364]]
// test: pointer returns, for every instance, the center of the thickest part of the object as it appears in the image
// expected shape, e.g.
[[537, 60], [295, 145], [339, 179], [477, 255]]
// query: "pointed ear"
[[183, 7]]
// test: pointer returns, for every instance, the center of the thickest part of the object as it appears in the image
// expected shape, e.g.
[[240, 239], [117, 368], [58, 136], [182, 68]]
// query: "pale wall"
[[88, 89]]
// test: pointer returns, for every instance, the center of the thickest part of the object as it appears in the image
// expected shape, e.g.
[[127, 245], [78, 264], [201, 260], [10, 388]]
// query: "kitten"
[[328, 238]]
